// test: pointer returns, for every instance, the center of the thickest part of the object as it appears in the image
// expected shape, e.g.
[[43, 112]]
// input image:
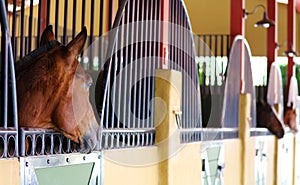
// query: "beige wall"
[[9, 171], [144, 166], [233, 161], [209, 16]]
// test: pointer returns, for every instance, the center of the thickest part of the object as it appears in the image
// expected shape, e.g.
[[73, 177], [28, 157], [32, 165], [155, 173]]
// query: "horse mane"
[[32, 56]]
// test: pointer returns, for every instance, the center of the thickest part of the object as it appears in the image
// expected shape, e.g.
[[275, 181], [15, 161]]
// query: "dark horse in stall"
[[53, 91], [290, 116], [266, 115]]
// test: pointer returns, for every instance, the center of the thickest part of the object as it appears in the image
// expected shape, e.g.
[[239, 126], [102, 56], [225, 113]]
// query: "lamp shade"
[[265, 22]]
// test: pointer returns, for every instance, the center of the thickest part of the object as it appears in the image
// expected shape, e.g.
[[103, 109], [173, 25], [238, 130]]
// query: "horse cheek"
[[65, 120]]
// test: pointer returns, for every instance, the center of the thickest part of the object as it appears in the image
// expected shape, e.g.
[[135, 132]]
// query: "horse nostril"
[[87, 144], [280, 134]]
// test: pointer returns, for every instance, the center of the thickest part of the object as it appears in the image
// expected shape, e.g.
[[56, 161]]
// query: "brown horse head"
[[267, 118], [290, 117], [53, 92]]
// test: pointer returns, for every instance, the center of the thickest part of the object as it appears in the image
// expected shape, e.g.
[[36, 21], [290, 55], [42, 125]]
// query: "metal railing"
[[9, 118]]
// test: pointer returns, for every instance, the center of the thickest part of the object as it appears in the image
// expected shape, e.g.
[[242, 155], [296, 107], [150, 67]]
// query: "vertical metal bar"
[[7, 56], [147, 64], [83, 20], [113, 78], [185, 87], [91, 57], [216, 55], [189, 77], [121, 81], [39, 23], [182, 62], [107, 107], [193, 97], [144, 71], [210, 58], [110, 14], [204, 61], [131, 17], [143, 66], [140, 61], [150, 66], [74, 18], [199, 64], [135, 75], [6, 5], [34, 36], [48, 12], [4, 77], [56, 18], [228, 45], [158, 30], [125, 59], [30, 26], [13, 31], [171, 37], [178, 38], [101, 17], [101, 13], [196, 108], [222, 55], [22, 28], [65, 38], [154, 62]]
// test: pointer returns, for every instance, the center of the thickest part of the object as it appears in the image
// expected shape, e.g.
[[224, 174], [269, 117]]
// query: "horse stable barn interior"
[[150, 92]]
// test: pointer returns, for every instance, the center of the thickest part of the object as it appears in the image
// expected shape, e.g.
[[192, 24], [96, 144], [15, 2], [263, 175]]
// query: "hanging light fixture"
[[290, 52], [265, 22]]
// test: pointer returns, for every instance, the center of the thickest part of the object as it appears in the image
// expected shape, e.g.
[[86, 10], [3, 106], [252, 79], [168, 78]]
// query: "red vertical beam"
[[43, 16], [271, 35], [237, 27], [237, 22], [291, 38], [165, 6]]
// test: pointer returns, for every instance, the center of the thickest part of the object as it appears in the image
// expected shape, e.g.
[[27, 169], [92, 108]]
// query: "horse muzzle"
[[279, 134], [89, 141]]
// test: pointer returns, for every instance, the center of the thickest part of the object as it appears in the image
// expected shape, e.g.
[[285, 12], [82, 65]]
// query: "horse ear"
[[76, 45], [47, 35]]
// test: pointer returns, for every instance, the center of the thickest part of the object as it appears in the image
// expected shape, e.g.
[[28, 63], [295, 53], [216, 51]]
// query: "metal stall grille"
[[8, 108], [212, 56], [146, 35], [142, 40], [25, 21], [212, 53]]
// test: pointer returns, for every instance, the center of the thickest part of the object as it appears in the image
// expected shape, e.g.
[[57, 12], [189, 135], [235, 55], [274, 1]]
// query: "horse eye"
[[89, 84]]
